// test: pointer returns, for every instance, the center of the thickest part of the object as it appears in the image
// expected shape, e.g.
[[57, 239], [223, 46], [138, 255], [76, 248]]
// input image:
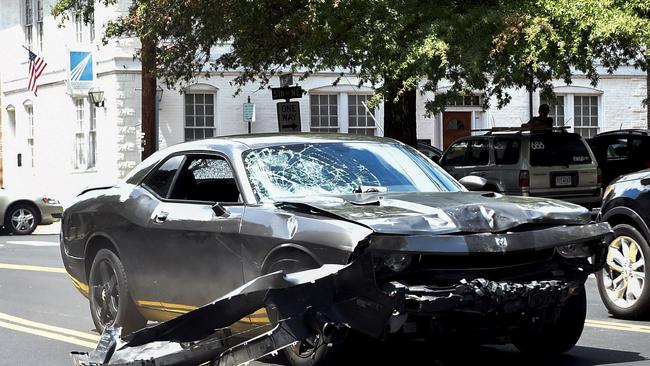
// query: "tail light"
[[599, 176], [524, 179]]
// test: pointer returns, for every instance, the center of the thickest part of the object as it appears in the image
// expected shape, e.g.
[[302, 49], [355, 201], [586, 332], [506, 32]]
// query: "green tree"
[[399, 46]]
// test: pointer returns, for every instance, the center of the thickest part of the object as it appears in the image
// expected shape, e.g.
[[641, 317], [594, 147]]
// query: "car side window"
[[456, 154], [506, 151], [206, 178], [161, 179], [479, 152], [617, 149], [638, 149]]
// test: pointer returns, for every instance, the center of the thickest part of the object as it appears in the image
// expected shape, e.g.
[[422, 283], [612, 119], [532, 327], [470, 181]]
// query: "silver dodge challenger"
[[204, 233]]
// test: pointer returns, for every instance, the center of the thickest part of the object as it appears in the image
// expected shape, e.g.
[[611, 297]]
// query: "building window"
[[199, 116], [80, 135], [557, 110], [324, 113], [79, 27], [92, 136], [466, 101], [585, 115], [360, 121], [30, 134], [39, 24], [29, 21]]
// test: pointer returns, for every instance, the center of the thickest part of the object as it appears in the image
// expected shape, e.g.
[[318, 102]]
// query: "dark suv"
[[622, 285], [621, 152]]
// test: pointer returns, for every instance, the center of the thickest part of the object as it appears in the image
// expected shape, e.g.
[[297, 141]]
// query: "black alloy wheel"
[[110, 299]]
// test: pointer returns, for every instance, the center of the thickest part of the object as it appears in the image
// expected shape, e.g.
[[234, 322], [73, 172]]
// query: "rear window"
[[472, 152], [558, 149], [506, 151]]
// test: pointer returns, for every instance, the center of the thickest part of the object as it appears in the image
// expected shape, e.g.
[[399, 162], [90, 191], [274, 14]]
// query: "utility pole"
[[148, 103]]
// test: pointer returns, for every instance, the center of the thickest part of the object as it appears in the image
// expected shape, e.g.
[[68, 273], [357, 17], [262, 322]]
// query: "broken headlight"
[[576, 251], [393, 262]]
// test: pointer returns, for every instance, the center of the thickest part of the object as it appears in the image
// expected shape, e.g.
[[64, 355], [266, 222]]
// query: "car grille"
[[485, 261]]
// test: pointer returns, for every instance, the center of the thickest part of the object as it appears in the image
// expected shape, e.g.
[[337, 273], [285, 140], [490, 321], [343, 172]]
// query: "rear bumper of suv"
[[587, 197]]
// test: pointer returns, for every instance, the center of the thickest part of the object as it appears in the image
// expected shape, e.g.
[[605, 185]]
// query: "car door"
[[197, 247], [615, 158]]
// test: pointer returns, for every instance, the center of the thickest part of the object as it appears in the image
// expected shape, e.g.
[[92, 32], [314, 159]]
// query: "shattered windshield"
[[341, 168]]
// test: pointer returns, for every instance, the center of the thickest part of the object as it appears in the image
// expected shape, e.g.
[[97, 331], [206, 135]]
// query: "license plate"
[[563, 180]]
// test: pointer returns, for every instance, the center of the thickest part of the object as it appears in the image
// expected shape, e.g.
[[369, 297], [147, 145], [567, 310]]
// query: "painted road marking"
[[24, 267], [33, 243], [51, 328], [71, 336], [46, 334], [617, 326]]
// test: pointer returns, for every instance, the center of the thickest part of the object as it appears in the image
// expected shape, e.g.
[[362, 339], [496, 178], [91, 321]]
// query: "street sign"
[[289, 117], [286, 92], [249, 112]]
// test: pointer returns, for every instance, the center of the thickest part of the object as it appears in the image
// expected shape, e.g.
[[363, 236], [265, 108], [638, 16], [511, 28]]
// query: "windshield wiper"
[[370, 189]]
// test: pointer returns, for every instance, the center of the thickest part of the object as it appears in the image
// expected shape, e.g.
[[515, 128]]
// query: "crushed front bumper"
[[480, 296]]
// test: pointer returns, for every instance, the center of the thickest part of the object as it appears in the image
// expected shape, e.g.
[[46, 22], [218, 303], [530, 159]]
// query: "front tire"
[[21, 219], [110, 299], [621, 283], [314, 351], [561, 336]]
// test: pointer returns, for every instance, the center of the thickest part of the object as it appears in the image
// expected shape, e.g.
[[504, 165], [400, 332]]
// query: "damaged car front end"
[[370, 237], [515, 286]]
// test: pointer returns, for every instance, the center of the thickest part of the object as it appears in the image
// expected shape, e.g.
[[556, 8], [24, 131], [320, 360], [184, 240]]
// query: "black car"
[[620, 152], [622, 285], [430, 151], [197, 220]]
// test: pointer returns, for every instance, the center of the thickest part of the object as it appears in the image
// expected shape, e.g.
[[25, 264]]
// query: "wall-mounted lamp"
[[159, 93], [96, 97]]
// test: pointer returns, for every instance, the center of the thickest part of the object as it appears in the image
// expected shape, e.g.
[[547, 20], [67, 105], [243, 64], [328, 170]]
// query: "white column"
[[344, 121], [569, 111]]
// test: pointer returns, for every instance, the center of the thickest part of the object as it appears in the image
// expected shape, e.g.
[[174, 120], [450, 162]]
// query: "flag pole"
[[23, 46]]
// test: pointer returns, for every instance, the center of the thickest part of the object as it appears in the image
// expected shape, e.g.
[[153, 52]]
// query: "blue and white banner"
[[80, 72]]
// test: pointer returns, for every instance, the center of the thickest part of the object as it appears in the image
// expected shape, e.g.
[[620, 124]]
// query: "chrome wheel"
[[624, 275], [105, 293], [22, 220]]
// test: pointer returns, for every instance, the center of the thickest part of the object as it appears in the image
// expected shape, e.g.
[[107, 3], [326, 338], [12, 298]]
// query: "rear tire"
[[559, 337], [621, 283], [109, 296]]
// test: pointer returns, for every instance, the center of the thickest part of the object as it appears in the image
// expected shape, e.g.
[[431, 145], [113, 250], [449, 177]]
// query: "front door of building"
[[455, 125]]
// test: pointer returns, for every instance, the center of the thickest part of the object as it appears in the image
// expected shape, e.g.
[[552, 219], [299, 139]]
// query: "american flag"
[[36, 66]]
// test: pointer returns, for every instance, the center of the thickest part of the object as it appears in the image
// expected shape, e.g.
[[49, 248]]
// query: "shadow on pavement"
[[421, 353]]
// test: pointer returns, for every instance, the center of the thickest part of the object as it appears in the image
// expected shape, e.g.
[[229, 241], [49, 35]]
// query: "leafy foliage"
[[488, 45]]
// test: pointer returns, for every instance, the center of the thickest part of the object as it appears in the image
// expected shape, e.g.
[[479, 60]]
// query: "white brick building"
[[64, 143]]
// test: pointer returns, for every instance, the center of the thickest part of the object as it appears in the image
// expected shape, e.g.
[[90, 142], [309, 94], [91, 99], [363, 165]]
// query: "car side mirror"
[[219, 210], [473, 182]]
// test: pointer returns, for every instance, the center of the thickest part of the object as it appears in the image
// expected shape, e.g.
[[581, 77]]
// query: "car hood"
[[442, 213]]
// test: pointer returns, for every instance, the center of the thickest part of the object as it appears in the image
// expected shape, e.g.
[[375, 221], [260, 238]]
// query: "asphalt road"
[[43, 318]]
